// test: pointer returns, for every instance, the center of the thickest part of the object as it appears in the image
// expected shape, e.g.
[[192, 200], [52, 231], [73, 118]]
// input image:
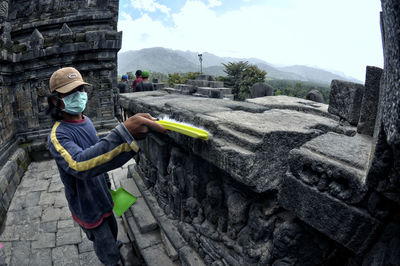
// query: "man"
[[123, 84], [145, 85], [138, 79], [122, 88], [83, 160]]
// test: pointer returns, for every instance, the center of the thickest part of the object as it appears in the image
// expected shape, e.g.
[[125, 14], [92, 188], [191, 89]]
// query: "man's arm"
[[109, 153]]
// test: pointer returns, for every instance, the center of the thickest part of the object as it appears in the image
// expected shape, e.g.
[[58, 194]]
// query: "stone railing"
[[281, 179]]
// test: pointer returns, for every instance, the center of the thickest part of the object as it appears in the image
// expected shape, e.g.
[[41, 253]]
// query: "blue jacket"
[[83, 160]]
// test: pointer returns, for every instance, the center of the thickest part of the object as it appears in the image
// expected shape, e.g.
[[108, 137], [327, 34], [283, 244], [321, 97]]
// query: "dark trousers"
[[104, 239]]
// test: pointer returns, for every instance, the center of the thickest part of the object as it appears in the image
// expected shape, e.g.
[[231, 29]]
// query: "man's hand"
[[139, 125]]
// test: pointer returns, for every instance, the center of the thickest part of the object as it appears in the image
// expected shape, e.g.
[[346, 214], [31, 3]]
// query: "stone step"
[[168, 227], [139, 209], [185, 88]]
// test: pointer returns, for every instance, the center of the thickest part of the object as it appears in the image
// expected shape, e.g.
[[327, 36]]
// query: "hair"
[[54, 110]]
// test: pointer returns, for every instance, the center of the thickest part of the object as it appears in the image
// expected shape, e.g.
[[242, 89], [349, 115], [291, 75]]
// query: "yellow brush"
[[185, 129]]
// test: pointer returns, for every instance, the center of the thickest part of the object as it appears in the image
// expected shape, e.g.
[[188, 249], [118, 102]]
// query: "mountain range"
[[159, 59]]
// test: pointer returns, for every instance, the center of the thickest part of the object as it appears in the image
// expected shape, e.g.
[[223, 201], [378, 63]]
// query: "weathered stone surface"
[[146, 240], [20, 253], [154, 254], [45, 240], [261, 89], [252, 135], [41, 257], [352, 227], [169, 248], [369, 105], [189, 257], [143, 217], [345, 100], [315, 96], [67, 236], [65, 255], [293, 103], [89, 258], [384, 173]]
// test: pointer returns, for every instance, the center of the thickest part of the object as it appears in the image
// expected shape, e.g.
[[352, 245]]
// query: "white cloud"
[[214, 3], [150, 6], [342, 35]]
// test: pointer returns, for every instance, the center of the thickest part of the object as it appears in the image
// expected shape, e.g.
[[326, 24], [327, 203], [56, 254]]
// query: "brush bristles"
[[167, 118]]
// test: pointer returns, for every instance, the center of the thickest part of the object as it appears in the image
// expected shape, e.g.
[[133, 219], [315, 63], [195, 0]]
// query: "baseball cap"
[[65, 80]]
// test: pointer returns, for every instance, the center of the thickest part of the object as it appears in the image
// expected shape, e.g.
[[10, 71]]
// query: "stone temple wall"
[[39, 37]]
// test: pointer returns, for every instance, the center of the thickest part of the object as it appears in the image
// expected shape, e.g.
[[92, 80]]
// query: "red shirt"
[[135, 82]]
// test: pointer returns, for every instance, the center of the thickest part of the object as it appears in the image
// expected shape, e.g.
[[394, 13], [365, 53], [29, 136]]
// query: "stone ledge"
[[352, 227]]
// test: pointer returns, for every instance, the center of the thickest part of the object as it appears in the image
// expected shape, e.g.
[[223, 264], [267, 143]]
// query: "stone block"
[[89, 258], [68, 236], [216, 84], [204, 91], [185, 89], [261, 89], [143, 216], [171, 251], [41, 257], [335, 164], [143, 240], [189, 257], [352, 227], [345, 100], [316, 96], [215, 93], [205, 77], [65, 255], [154, 254], [369, 105], [198, 83], [45, 240], [21, 253], [159, 86], [130, 185], [3, 182], [159, 152]]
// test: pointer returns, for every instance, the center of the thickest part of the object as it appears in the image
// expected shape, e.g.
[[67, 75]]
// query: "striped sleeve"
[[108, 153]]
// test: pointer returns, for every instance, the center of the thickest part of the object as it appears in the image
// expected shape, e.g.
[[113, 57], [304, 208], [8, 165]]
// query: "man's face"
[[62, 95]]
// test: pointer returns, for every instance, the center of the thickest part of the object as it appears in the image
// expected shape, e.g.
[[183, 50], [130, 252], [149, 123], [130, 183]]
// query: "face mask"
[[75, 103]]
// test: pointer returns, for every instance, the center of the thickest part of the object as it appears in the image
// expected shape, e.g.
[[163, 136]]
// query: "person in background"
[[123, 84], [138, 79], [122, 88], [83, 159], [145, 85]]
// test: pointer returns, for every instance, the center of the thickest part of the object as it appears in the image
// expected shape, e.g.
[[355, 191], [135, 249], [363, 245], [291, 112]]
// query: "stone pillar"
[[369, 105], [384, 172]]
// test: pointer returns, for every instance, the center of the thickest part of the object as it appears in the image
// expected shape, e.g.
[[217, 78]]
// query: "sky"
[[336, 35]]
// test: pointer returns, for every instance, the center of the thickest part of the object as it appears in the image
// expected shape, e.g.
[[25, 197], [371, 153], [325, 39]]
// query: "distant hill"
[[159, 59]]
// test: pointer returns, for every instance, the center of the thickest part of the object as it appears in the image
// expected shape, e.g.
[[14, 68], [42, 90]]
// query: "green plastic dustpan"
[[122, 200]]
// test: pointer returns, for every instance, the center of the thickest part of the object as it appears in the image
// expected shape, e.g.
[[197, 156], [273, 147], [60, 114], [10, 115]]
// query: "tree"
[[181, 78], [241, 77]]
